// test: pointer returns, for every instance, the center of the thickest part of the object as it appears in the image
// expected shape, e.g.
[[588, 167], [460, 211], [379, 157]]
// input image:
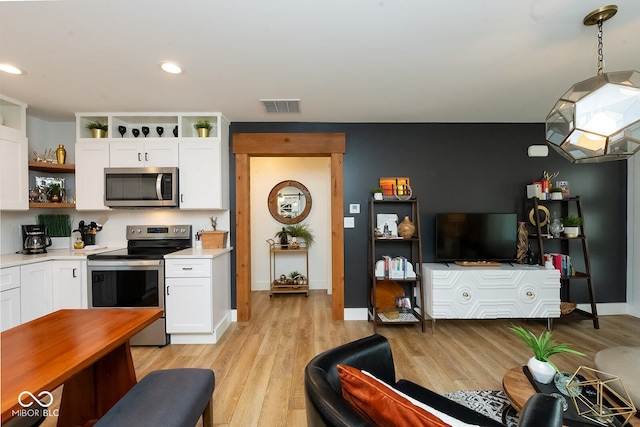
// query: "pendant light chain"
[[600, 55]]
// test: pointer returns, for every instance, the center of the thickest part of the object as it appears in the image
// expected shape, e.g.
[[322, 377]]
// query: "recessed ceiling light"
[[170, 67], [8, 68]]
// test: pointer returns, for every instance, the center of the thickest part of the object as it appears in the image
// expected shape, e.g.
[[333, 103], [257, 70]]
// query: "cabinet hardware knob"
[[146, 157], [529, 293], [74, 272], [465, 294], [187, 268], [168, 290], [139, 157]]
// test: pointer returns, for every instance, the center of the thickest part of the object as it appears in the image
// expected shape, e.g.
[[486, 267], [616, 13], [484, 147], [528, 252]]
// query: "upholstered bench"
[[168, 398], [622, 362]]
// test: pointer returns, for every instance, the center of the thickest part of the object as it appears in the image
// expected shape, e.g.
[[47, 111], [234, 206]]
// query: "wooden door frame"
[[247, 145]]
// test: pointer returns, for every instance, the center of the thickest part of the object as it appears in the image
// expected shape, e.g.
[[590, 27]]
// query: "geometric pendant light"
[[598, 119]]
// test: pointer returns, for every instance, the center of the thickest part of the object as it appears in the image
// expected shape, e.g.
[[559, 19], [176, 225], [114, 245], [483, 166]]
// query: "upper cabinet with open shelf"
[[159, 125], [13, 116]]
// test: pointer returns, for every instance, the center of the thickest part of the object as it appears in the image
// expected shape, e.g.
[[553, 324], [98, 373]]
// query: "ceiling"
[[346, 60]]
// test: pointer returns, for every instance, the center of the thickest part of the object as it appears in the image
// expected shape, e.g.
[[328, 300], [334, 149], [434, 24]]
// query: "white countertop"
[[198, 253], [12, 260]]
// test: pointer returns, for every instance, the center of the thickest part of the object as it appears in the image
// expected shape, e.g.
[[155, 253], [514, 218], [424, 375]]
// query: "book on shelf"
[[560, 262]]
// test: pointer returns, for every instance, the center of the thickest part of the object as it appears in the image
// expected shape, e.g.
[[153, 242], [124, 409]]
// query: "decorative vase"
[[61, 154], [203, 132], [406, 228], [294, 244], [541, 371], [570, 231], [523, 243], [98, 133]]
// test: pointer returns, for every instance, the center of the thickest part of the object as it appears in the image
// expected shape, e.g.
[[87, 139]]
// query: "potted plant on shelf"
[[98, 129], [571, 225], [556, 193], [55, 192], [300, 231], [543, 347], [377, 193], [203, 127]]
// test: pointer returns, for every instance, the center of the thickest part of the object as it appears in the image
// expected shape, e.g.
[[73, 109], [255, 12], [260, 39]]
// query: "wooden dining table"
[[87, 351]]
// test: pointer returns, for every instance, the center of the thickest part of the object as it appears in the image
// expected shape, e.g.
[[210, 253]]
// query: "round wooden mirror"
[[289, 202]]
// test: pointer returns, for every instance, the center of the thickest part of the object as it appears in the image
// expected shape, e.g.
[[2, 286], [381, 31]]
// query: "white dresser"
[[506, 291]]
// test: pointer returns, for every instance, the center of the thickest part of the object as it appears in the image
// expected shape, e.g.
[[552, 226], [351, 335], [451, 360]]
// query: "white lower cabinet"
[[9, 297], [69, 284], [197, 304], [36, 290], [188, 305]]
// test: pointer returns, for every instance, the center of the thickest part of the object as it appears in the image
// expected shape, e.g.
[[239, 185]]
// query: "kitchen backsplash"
[[113, 232]]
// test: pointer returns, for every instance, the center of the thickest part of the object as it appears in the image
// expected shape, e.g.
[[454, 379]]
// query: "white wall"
[[42, 135], [315, 174]]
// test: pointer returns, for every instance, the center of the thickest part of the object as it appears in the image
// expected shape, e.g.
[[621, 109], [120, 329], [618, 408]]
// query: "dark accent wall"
[[468, 167]]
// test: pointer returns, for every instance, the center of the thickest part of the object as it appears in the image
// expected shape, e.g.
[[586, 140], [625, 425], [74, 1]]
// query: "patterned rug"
[[492, 403]]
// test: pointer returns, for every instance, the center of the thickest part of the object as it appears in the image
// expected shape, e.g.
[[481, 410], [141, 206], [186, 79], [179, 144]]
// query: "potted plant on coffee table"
[[98, 129], [543, 347], [571, 225]]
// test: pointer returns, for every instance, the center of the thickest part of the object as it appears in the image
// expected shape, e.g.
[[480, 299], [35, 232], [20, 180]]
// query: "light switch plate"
[[354, 208], [349, 222]]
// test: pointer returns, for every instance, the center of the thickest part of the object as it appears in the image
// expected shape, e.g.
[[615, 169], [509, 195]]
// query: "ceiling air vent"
[[281, 105]]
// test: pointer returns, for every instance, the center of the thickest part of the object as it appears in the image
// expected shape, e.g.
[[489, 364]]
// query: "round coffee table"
[[517, 387]]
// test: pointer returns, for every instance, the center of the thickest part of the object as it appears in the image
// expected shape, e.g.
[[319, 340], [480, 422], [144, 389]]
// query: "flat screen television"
[[476, 237]]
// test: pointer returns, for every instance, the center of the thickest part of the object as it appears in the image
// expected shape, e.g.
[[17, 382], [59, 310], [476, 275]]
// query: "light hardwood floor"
[[259, 364]]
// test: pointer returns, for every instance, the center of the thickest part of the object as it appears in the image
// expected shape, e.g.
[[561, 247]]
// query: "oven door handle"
[[159, 186], [125, 263]]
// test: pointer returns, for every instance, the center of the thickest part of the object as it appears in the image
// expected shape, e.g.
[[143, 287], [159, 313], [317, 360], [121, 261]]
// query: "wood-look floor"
[[259, 364]]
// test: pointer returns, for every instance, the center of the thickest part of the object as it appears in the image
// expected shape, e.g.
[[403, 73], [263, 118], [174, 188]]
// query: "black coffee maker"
[[35, 239]]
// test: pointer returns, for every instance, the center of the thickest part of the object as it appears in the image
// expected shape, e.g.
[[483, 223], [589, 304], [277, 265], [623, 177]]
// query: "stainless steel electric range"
[[134, 277]]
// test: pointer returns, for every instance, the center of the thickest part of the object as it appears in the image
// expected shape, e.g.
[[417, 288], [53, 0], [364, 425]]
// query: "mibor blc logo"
[[36, 406]]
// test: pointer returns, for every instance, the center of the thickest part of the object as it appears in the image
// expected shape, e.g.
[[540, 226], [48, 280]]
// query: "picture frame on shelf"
[[403, 304], [395, 187]]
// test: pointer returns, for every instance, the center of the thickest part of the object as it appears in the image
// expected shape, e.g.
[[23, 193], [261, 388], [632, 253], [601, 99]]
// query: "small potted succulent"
[[543, 347], [571, 225], [203, 127], [556, 193], [377, 193], [98, 129]]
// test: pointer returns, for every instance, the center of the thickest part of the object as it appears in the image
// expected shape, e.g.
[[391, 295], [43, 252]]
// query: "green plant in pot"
[[543, 347], [203, 127], [571, 225], [300, 231], [377, 193], [55, 192], [556, 193], [98, 129]]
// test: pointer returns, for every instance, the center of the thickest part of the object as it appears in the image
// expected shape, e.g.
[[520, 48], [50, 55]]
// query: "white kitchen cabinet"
[[188, 300], [9, 309], [197, 303], [204, 174], [91, 159], [69, 284], [36, 290], [160, 153], [507, 291], [14, 157], [9, 297]]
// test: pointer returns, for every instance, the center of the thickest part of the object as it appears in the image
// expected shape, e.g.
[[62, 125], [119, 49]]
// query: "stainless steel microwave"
[[141, 187]]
